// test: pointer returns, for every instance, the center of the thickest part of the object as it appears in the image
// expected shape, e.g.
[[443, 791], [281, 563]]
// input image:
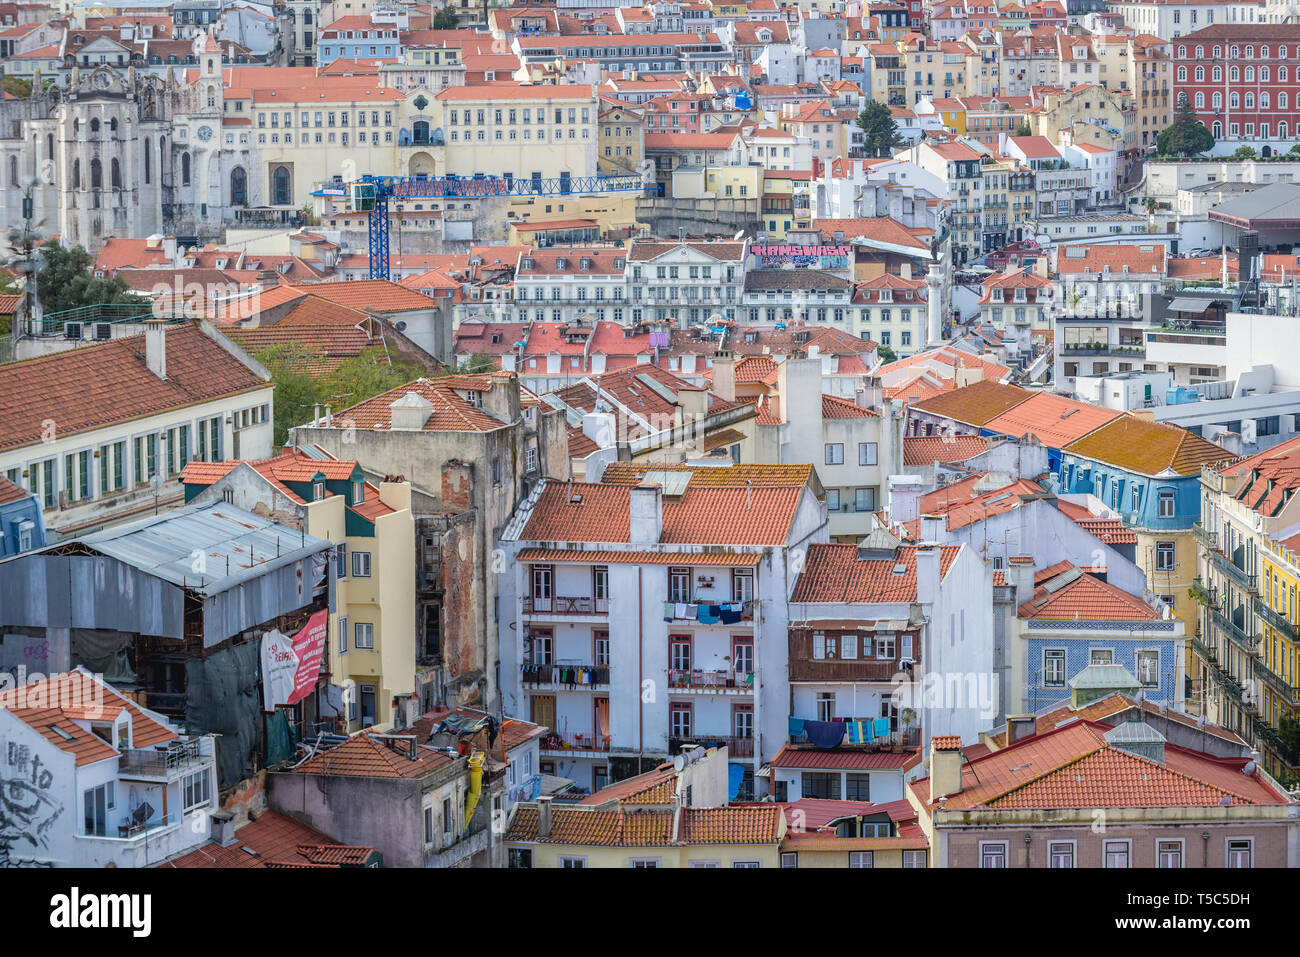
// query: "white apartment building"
[[564, 283], [636, 619], [686, 281]]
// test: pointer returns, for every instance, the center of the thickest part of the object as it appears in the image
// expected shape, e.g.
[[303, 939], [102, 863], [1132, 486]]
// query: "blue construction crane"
[[372, 194]]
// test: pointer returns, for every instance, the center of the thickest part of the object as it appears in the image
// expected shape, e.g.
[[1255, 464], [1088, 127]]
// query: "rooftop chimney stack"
[[945, 766], [544, 816], [155, 347], [646, 504]]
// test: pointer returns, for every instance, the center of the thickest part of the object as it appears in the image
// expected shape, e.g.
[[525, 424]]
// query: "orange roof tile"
[[749, 824], [1148, 448], [835, 573], [976, 403], [1086, 598], [734, 475], [552, 555], [451, 413], [923, 450], [276, 840], [1052, 419], [363, 756], [615, 827]]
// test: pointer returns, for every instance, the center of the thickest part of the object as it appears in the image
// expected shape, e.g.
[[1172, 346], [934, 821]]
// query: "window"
[[1165, 500], [40, 482], [429, 835], [789, 859], [1054, 668], [98, 801], [341, 560], [178, 449], [993, 854], [520, 857], [448, 817], [742, 654], [1240, 852], [1148, 668], [825, 705], [866, 453], [742, 584], [860, 859], [197, 790], [360, 564], [76, 475], [736, 864], [820, 784], [679, 652], [343, 635], [566, 860], [1169, 854], [834, 452], [364, 635], [644, 862], [915, 858], [864, 500], [1116, 853], [1061, 854], [1101, 656], [857, 787], [679, 585]]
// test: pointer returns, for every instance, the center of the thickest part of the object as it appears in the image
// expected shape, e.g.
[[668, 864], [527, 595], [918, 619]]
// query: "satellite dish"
[[1249, 769]]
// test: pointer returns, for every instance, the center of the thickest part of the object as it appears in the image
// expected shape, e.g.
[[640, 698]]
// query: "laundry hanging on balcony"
[[825, 734], [859, 732]]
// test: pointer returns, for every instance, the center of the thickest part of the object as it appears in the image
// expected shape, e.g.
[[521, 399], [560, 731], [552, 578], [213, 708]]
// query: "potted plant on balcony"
[[907, 717]]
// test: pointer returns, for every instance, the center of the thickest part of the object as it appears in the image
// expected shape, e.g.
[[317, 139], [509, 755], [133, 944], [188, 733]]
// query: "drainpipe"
[[640, 664]]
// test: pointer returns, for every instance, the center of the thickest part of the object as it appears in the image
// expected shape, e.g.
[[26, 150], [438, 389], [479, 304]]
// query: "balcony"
[[1203, 651], [165, 761], [830, 669], [711, 682], [1234, 631], [1206, 537], [565, 605], [1231, 570], [1200, 594], [1288, 693], [573, 677], [575, 743], [1275, 619], [737, 747]]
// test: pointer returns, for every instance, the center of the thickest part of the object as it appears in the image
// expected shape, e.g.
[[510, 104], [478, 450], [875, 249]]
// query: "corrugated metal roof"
[[206, 548]]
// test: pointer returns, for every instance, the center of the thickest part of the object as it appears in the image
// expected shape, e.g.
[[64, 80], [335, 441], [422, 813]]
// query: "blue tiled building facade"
[[1054, 659]]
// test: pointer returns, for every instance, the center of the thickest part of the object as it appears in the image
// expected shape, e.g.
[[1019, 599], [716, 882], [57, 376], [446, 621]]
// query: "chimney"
[[155, 347], [1020, 726], [927, 574], [904, 498], [724, 378], [1020, 573], [410, 412], [647, 514], [544, 816], [932, 527], [945, 766], [223, 827], [601, 428]]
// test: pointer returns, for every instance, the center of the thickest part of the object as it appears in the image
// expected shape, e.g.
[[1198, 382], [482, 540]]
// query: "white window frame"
[[572, 861], [1179, 843], [1128, 851], [1227, 850], [366, 628], [1054, 846], [360, 564], [985, 846], [745, 864], [862, 859], [646, 862]]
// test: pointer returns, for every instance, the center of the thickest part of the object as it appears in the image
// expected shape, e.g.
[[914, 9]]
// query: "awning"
[[1197, 306]]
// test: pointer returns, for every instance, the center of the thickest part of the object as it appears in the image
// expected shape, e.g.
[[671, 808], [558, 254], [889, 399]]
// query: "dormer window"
[[997, 295], [317, 491], [358, 492]]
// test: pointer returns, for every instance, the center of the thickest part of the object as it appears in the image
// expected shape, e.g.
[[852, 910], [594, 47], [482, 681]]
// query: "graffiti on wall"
[[28, 808]]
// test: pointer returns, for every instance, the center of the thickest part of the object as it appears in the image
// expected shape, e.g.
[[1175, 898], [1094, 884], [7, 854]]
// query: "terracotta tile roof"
[[927, 449], [1115, 703], [317, 311], [363, 756], [1052, 419], [834, 407], [450, 412], [968, 501], [278, 841], [1271, 478], [89, 388], [703, 516], [1143, 261], [371, 295], [599, 827], [319, 349], [749, 824], [752, 369], [946, 742], [511, 733], [658, 786], [834, 573], [1148, 448], [76, 696], [999, 579], [553, 555], [1086, 598], [839, 759], [877, 229], [734, 476], [976, 403], [9, 492], [579, 445]]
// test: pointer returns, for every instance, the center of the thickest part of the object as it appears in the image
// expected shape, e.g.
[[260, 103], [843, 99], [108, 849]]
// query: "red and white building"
[[1243, 81]]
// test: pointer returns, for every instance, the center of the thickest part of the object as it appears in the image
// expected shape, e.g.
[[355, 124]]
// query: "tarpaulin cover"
[[824, 734], [104, 653], [461, 724], [221, 697], [735, 778], [280, 745]]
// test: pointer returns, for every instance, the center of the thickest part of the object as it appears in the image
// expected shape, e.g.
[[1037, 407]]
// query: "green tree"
[[1187, 135], [478, 362], [18, 87], [1244, 153], [886, 354], [1024, 129], [445, 19], [66, 281], [879, 131], [364, 376]]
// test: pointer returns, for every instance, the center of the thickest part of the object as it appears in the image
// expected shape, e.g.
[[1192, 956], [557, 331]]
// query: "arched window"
[[94, 126], [1217, 73], [1200, 74], [148, 160], [1200, 53], [1263, 74], [116, 174], [1234, 101], [96, 174], [1218, 102], [1250, 51], [1263, 100], [1234, 74], [1218, 52], [1234, 51], [281, 195], [1218, 129], [238, 187], [1250, 74], [1282, 130], [185, 169], [13, 170], [1282, 100], [1250, 101], [1263, 52], [76, 174], [1182, 53], [1182, 74], [1282, 74], [212, 97], [1200, 101]]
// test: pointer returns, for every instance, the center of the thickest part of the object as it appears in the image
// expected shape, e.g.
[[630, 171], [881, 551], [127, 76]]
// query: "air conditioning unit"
[[72, 330], [103, 331]]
